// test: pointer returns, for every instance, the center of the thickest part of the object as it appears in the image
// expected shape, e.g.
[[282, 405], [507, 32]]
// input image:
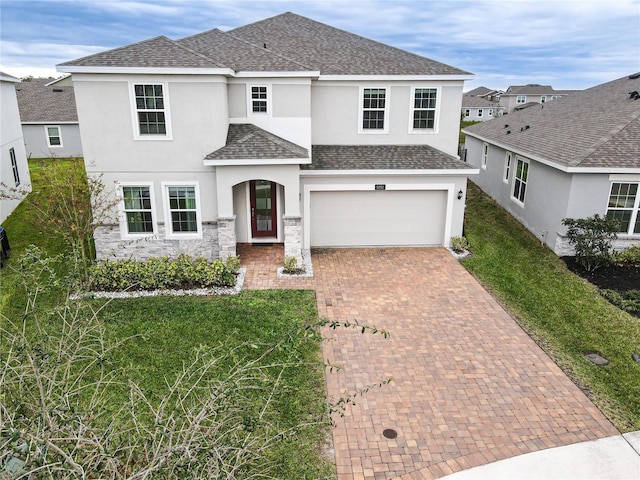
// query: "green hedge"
[[162, 273]]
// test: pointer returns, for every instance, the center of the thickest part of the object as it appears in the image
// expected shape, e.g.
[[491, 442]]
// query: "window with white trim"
[[543, 99], [259, 99], [623, 206], [466, 113], [485, 154], [137, 205], [479, 112], [54, 137], [14, 166], [520, 179], [521, 99], [150, 109], [424, 108], [507, 167], [374, 107], [490, 112], [182, 209], [555, 97]]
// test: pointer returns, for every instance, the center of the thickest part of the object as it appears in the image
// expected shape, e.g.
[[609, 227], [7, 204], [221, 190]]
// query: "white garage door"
[[378, 218]]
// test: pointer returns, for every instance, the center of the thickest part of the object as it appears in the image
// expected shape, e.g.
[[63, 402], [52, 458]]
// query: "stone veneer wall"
[[564, 249], [227, 237], [110, 246], [293, 237]]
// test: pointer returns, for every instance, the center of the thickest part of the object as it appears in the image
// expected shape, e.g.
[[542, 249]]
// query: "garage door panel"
[[372, 218]]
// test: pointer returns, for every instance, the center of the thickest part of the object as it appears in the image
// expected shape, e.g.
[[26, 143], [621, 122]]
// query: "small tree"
[[592, 239]]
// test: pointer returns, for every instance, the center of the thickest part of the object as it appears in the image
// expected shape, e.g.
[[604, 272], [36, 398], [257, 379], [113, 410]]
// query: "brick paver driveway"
[[470, 387]]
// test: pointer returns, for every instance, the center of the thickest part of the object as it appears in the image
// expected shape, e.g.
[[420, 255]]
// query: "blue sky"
[[569, 44]]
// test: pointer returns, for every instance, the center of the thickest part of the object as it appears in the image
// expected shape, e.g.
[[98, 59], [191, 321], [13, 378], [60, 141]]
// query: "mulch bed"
[[616, 277]]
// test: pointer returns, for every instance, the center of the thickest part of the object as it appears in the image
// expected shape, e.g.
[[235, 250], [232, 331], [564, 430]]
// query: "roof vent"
[[506, 125], [58, 90], [634, 95], [265, 45], [508, 132]]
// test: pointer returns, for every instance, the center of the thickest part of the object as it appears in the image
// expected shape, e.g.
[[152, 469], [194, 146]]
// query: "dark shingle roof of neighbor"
[[38, 102], [293, 43], [598, 127], [381, 157], [477, 102], [535, 89], [246, 141]]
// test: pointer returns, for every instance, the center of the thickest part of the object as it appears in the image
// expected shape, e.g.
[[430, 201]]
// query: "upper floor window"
[[424, 108], [14, 167], [374, 107], [623, 206], [151, 109], [466, 113], [555, 97], [480, 112], [54, 137], [521, 99], [485, 155], [507, 167], [490, 112], [138, 210], [182, 210], [520, 179], [259, 99], [543, 99]]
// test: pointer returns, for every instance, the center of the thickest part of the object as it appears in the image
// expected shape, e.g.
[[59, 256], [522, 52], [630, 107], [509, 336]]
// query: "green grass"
[[562, 312], [163, 334]]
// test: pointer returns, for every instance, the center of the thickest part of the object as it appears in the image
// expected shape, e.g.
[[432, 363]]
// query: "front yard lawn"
[[281, 396], [563, 313]]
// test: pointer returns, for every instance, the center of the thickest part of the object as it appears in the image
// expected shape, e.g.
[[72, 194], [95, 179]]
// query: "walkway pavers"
[[469, 386]]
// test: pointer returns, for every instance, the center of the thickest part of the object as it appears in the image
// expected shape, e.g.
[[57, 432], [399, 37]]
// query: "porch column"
[[227, 236], [293, 237]]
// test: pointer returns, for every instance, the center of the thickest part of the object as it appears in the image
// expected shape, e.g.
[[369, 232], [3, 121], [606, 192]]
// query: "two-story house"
[[49, 118], [518, 97], [14, 169], [574, 157], [285, 130], [478, 109]]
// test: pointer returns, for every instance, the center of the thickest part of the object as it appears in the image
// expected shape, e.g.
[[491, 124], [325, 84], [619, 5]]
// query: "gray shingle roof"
[[246, 141], [477, 102], [597, 127], [158, 52], [293, 43], [381, 157], [535, 89], [336, 52], [39, 103], [238, 54]]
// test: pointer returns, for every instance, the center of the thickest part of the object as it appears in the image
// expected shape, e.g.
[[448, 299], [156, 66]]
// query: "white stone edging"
[[307, 265]]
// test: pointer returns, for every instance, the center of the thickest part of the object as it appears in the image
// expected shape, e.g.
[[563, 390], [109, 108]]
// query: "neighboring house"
[[486, 93], [477, 109], [14, 169], [572, 158], [523, 96], [49, 118], [285, 130]]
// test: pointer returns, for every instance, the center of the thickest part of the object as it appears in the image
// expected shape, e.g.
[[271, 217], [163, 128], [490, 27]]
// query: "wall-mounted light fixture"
[[460, 193]]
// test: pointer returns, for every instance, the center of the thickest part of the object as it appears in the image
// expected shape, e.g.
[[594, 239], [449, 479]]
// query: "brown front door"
[[263, 208]]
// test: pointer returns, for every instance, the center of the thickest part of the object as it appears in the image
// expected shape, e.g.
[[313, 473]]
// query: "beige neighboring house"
[[49, 117], [486, 93], [477, 109], [273, 132], [574, 157], [518, 97], [14, 169]]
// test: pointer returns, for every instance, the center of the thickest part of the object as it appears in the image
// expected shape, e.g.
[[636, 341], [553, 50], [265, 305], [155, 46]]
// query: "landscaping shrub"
[[592, 239], [160, 273], [628, 301], [629, 256], [233, 264], [291, 265], [459, 244]]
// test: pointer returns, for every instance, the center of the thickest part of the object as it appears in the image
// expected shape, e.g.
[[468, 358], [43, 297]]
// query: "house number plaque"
[[380, 187]]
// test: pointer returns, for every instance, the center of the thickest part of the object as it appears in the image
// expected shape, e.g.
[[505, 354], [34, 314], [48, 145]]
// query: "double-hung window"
[[138, 209], [54, 137], [14, 167], [151, 110], [374, 107], [623, 206], [182, 210], [520, 179], [259, 99], [521, 99], [424, 108]]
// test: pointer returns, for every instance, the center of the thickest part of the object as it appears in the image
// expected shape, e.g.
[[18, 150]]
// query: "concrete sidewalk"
[[611, 458]]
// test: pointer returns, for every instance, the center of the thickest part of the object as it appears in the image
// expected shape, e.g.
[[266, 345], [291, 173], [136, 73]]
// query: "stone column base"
[[293, 237], [227, 237]]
